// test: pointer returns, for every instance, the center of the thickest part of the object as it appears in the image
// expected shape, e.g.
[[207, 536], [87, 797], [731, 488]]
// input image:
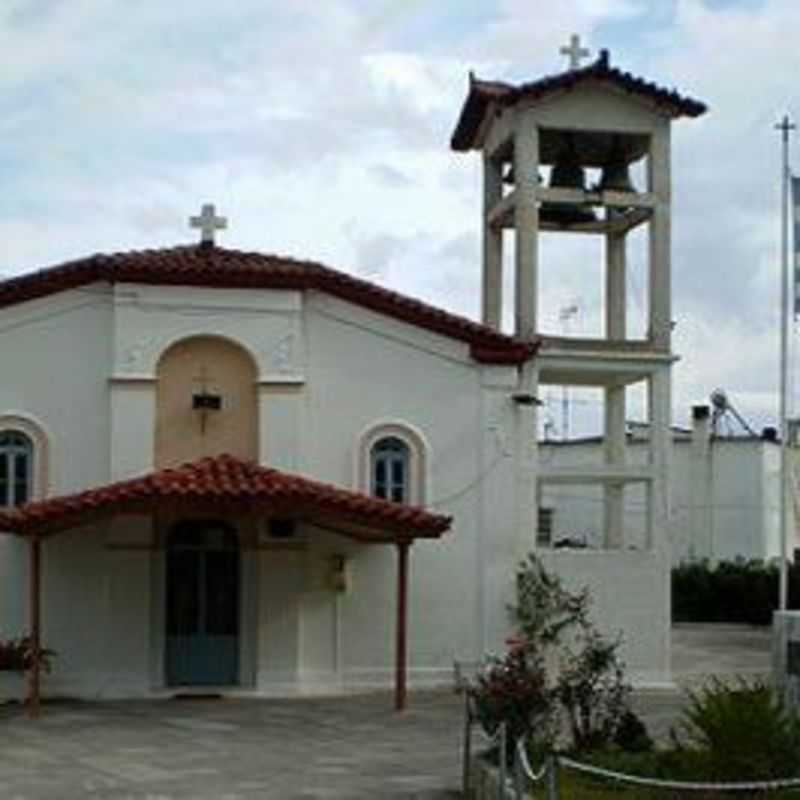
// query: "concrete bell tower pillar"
[[525, 226]]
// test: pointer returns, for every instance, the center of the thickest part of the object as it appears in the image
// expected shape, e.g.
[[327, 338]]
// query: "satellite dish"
[[719, 400], [723, 411]]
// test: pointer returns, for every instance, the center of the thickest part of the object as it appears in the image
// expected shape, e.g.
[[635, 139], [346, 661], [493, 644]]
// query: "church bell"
[[566, 174], [616, 178]]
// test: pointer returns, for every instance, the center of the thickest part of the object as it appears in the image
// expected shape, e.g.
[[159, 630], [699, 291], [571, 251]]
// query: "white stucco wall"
[[630, 599], [55, 355], [96, 601], [58, 351]]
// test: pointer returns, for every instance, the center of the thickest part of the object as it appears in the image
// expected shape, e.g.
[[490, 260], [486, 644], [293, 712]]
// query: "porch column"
[[401, 631], [34, 587]]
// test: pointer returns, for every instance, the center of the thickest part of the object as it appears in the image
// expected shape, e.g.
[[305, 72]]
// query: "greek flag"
[[796, 241]]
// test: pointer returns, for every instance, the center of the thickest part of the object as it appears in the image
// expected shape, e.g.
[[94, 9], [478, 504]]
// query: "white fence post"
[[552, 778], [503, 757], [467, 751], [518, 782]]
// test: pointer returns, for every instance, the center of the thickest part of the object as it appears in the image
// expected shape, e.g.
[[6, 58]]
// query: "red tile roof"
[[225, 483], [204, 265], [483, 93]]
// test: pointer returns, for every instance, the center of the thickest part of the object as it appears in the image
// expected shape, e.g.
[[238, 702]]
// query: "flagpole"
[[784, 126]]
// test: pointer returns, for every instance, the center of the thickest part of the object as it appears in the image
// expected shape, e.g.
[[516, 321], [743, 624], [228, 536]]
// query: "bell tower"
[[558, 155]]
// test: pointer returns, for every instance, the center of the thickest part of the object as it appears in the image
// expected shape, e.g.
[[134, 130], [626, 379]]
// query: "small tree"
[[593, 692], [586, 675], [561, 675], [545, 610]]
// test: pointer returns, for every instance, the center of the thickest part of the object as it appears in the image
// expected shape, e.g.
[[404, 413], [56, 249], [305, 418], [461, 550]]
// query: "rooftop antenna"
[[549, 427], [722, 412]]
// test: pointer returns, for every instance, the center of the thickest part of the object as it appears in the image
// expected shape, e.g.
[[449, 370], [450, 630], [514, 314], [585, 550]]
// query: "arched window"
[[16, 468], [390, 459]]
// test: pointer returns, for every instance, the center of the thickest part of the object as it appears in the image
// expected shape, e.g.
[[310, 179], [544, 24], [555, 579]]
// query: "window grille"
[[390, 463], [544, 526]]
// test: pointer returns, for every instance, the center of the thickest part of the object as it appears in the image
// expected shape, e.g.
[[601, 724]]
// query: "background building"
[[724, 494]]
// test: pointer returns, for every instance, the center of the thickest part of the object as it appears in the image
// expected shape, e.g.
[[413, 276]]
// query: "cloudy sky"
[[321, 129]]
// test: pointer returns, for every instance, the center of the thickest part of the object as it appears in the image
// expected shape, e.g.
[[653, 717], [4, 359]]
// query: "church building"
[[242, 472]]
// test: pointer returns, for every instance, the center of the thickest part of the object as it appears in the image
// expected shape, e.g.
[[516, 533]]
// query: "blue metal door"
[[202, 605]]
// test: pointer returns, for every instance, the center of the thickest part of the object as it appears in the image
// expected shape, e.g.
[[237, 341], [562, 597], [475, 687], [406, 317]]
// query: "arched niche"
[[187, 428]]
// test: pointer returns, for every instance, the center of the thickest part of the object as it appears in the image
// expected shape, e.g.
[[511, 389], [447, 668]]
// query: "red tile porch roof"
[[225, 483], [483, 93], [217, 267]]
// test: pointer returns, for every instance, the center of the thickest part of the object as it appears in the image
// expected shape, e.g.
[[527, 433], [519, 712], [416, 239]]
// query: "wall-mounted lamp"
[[204, 402], [338, 577], [526, 399]]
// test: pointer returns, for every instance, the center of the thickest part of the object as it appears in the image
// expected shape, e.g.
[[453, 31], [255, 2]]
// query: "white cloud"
[[321, 130]]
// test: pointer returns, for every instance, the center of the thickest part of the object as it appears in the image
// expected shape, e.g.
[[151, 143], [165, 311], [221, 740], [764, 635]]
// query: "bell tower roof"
[[483, 95]]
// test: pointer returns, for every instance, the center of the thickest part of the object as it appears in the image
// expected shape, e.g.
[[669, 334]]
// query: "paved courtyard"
[[231, 749]]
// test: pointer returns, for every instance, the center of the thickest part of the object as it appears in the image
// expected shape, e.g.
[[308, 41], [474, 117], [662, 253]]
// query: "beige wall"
[[220, 367]]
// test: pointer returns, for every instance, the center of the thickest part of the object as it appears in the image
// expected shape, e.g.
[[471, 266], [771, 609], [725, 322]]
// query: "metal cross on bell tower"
[[208, 223], [574, 51]]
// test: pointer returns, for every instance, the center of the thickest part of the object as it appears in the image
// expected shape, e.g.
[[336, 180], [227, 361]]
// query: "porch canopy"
[[226, 484]]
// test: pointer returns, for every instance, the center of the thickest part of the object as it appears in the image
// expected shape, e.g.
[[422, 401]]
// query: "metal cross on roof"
[[575, 51], [208, 222]]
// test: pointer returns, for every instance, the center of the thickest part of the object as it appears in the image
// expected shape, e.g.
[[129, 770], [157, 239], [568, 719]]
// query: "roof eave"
[[481, 94], [302, 276], [207, 484]]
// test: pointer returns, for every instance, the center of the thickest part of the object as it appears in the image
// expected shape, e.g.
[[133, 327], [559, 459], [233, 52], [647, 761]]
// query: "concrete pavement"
[[341, 748]]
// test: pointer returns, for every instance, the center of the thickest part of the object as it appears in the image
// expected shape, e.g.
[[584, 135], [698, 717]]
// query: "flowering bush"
[[561, 679], [513, 689], [16, 655]]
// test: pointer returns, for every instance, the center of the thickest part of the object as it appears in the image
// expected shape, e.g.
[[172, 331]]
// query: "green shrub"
[[631, 735], [738, 732], [731, 591], [727, 733], [17, 655]]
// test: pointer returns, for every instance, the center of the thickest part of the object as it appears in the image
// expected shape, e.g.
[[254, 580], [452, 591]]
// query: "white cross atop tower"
[[208, 222], [575, 51]]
